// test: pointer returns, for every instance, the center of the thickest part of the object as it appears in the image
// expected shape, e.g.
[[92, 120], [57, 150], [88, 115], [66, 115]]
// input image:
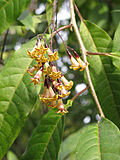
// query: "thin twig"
[[51, 41], [61, 28], [53, 24], [80, 93], [3, 46], [84, 52], [54, 11], [45, 31], [78, 13], [103, 54], [61, 39]]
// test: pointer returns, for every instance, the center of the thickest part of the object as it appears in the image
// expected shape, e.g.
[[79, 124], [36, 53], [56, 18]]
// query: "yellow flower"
[[52, 94], [64, 92], [49, 97], [31, 54], [57, 85], [44, 98], [53, 104], [53, 57], [41, 59], [82, 64], [35, 81], [53, 73], [41, 50], [75, 65], [31, 70], [68, 84], [37, 77], [61, 108]]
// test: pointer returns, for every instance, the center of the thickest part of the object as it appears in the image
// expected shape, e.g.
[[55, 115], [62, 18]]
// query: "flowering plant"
[[35, 87]]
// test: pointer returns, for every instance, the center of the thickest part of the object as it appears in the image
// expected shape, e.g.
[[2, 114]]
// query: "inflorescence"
[[56, 86]]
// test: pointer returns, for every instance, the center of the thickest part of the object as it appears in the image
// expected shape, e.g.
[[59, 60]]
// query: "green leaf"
[[38, 18], [17, 96], [46, 138], [26, 19], [68, 146], [11, 156], [99, 142], [104, 75], [49, 14], [9, 11], [116, 47]]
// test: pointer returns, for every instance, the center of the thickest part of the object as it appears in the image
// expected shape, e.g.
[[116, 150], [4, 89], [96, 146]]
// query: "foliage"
[[94, 141], [20, 105], [9, 11], [101, 70], [46, 138]]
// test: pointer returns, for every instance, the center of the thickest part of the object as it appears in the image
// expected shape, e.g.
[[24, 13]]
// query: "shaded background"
[[104, 13]]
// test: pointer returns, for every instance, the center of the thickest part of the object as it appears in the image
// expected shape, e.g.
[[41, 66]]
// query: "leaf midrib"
[[51, 136]]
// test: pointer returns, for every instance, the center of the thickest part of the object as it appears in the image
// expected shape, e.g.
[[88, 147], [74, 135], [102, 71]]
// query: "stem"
[[84, 52], [54, 10], [56, 13], [45, 31], [62, 40], [80, 93], [102, 54], [62, 28], [77, 10], [53, 27]]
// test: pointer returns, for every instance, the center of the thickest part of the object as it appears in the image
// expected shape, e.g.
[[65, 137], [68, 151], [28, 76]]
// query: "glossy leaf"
[[9, 11], [46, 139], [17, 96], [96, 142], [105, 77]]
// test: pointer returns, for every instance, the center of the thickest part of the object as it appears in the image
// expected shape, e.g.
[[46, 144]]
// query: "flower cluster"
[[56, 86]]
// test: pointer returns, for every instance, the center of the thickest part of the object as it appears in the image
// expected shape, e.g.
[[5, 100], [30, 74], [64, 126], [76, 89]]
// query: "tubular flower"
[[68, 85], [37, 77], [76, 63], [82, 64], [53, 73], [56, 86], [61, 108], [64, 92], [45, 97]]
